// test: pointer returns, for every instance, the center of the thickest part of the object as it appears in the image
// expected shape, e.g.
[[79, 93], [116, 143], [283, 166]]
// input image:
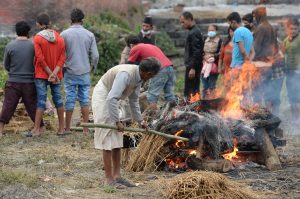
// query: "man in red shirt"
[[50, 57], [164, 80]]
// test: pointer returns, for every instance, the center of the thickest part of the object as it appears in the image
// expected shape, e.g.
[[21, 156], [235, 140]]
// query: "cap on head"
[[148, 20]]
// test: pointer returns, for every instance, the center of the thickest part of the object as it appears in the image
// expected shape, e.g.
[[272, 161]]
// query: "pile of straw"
[[202, 184], [147, 154]]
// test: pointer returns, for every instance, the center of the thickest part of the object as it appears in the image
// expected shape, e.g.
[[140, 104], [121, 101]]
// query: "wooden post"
[[270, 156], [200, 147]]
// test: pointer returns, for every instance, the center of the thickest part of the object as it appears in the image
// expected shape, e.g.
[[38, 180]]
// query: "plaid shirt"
[[278, 70]]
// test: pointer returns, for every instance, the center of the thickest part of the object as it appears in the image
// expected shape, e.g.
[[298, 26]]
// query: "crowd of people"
[[73, 54]]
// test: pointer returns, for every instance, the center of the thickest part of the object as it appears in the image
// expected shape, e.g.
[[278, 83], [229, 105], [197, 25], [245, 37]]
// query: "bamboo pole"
[[92, 125]]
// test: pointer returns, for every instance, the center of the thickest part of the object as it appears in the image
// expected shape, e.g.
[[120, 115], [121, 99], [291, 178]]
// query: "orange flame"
[[193, 152], [179, 143], [240, 81], [194, 98], [230, 156]]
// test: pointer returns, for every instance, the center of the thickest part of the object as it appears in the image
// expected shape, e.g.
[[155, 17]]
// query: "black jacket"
[[194, 48]]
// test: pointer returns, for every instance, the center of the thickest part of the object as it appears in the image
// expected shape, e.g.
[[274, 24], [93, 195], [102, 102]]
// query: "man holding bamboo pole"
[[119, 82]]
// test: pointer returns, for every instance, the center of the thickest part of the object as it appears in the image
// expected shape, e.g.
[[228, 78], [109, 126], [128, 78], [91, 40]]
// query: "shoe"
[[125, 182]]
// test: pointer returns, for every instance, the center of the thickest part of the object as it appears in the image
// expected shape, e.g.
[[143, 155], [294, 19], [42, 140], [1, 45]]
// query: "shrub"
[[165, 43], [3, 42]]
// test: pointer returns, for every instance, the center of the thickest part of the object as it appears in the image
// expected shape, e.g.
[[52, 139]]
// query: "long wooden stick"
[[92, 125]]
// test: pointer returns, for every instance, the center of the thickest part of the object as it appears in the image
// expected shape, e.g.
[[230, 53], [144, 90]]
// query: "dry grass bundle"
[[146, 154], [203, 184]]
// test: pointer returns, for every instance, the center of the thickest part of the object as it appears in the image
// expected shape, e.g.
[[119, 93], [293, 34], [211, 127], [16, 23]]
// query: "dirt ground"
[[69, 167]]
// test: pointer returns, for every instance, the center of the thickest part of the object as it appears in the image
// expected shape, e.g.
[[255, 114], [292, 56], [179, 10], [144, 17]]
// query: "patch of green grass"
[[11, 177], [109, 189]]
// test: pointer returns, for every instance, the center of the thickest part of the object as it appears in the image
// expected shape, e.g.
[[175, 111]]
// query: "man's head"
[[186, 20], [149, 67], [132, 40], [77, 16], [292, 25], [22, 29], [234, 20], [248, 21], [43, 21], [147, 25], [259, 14]]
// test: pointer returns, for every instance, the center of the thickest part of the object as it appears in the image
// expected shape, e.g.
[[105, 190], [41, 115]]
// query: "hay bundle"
[[147, 154], [202, 184]]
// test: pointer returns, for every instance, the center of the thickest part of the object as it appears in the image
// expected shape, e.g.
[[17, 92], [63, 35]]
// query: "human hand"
[[192, 73], [52, 78], [120, 126]]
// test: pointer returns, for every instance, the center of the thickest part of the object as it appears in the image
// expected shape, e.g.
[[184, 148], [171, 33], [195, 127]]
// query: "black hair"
[[215, 26], [150, 64], [132, 39], [77, 15], [234, 16], [22, 28], [228, 39], [187, 15], [292, 21], [43, 19], [248, 17]]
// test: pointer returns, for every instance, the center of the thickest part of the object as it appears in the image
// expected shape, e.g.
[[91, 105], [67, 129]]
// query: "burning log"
[[267, 149], [220, 165]]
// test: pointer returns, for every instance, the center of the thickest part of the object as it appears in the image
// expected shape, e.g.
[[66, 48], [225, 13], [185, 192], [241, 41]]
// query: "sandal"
[[29, 134], [125, 182], [117, 185]]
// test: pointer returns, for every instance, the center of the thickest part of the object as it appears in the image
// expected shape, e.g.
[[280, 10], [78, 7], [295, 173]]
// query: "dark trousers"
[[191, 86], [13, 92]]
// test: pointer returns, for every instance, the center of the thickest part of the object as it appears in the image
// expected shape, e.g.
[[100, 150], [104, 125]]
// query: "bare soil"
[[69, 167]]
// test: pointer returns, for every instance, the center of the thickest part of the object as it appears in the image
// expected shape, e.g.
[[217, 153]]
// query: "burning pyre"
[[225, 126]]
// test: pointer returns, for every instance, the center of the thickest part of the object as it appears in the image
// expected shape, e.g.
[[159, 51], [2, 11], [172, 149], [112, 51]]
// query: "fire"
[[239, 84], [179, 143], [230, 156], [193, 152], [195, 97]]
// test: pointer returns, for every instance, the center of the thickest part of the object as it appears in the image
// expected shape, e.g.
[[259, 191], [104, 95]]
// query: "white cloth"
[[105, 139]]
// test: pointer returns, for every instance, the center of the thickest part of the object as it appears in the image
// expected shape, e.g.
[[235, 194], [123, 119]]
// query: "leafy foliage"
[[108, 30], [3, 42], [3, 78], [165, 43]]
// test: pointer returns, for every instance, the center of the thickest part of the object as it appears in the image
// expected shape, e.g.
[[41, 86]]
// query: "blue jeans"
[[209, 84], [77, 87], [41, 90], [164, 80], [292, 86]]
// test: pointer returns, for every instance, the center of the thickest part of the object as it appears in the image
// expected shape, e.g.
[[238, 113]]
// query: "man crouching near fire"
[[119, 82]]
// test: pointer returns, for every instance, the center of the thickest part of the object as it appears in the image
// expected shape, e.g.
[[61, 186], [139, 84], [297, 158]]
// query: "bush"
[[3, 78], [165, 43], [3, 42], [108, 30]]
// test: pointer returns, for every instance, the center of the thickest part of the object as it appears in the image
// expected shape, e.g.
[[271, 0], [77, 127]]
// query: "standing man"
[[268, 89], [80, 44], [193, 54], [18, 61], [146, 35], [164, 80], [119, 82], [49, 59], [242, 41], [291, 50]]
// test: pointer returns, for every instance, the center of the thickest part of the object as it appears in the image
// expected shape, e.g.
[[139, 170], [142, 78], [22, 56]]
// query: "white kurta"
[[105, 139]]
